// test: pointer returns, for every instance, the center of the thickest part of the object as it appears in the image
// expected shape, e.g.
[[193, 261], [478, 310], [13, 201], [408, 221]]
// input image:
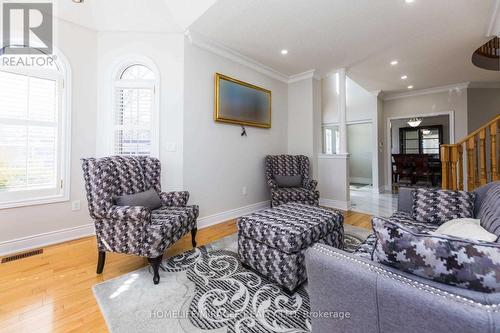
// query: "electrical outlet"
[[244, 190], [75, 205]]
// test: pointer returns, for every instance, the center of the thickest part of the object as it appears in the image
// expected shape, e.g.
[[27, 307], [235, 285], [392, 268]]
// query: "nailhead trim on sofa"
[[418, 285]]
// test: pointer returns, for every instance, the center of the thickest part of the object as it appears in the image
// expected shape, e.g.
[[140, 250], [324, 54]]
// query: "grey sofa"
[[351, 293]]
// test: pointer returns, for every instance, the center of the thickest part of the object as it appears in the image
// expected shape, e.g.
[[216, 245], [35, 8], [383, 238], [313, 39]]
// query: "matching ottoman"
[[273, 241]]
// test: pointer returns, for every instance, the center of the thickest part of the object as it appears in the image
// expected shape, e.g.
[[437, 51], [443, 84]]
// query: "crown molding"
[[223, 51], [494, 20], [331, 72], [485, 85], [310, 74], [237, 57], [458, 86]]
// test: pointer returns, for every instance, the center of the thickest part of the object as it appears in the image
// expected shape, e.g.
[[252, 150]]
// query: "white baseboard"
[[64, 235], [337, 204], [48, 238], [217, 218]]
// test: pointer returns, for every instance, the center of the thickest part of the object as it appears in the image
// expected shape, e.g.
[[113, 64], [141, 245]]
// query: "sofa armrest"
[[378, 298], [309, 184], [335, 286], [128, 213], [272, 184], [174, 199], [481, 196], [405, 199], [122, 229]]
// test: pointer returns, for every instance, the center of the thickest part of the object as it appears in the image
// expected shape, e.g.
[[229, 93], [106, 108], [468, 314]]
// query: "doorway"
[[413, 154], [360, 148]]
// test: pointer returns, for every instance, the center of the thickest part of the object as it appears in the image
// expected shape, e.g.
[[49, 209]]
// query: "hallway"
[[364, 200]]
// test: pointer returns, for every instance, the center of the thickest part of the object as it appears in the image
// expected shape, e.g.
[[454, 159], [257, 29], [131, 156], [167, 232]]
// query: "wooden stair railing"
[[472, 154]]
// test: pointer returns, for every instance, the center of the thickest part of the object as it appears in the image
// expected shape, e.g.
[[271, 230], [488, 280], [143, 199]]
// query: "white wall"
[[304, 120], [79, 46], [167, 53], [421, 105], [329, 99], [218, 162], [300, 118], [317, 128], [333, 176], [378, 142], [360, 104], [482, 105]]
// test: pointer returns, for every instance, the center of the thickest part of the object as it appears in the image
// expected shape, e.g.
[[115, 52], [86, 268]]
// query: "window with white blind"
[[135, 111], [33, 146]]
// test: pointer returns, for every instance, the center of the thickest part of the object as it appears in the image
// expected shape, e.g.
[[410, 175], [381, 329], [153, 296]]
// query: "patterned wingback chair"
[[134, 229], [291, 165]]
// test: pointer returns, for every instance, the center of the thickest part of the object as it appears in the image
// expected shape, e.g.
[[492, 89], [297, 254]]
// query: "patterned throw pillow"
[[454, 261], [489, 212], [440, 206]]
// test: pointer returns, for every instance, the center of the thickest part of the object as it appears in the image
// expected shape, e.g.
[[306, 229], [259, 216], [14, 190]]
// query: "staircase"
[[473, 161]]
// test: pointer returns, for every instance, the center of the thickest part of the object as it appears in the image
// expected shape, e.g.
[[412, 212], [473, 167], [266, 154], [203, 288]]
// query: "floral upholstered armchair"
[[136, 230], [281, 173]]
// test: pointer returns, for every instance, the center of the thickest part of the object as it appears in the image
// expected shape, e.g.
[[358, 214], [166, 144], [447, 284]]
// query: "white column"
[[333, 181], [342, 110]]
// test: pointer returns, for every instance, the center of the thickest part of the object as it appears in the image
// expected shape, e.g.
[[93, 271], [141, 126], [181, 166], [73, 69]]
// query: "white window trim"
[[118, 68], [65, 149]]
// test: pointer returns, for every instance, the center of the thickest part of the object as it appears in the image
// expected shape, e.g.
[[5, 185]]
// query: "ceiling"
[[133, 15], [433, 40]]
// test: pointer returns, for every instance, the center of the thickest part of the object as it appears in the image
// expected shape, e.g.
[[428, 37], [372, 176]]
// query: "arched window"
[[34, 134], [135, 110]]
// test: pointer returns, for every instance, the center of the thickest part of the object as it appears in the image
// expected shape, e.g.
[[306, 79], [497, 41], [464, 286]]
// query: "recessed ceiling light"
[[410, 87], [409, 1], [78, 1], [284, 52], [394, 62], [404, 77]]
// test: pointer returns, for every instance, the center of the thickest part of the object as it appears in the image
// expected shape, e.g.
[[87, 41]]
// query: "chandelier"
[[414, 122]]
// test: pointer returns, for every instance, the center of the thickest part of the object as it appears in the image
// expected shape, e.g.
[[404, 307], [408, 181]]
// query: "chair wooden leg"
[[193, 236], [100, 262], [155, 263]]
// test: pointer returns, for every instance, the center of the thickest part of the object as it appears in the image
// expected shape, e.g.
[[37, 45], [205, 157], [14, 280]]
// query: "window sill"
[[35, 201]]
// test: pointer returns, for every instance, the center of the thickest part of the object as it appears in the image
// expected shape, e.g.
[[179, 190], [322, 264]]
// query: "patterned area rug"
[[354, 236], [207, 290]]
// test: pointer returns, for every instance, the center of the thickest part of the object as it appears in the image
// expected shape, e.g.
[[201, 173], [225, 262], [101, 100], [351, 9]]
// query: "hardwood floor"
[[358, 219], [52, 292]]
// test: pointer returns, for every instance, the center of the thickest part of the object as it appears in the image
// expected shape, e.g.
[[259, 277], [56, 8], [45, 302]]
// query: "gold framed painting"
[[241, 103]]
